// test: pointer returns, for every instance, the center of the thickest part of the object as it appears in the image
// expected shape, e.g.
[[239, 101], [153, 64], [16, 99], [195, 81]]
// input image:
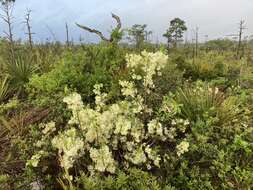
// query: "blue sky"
[[214, 18]]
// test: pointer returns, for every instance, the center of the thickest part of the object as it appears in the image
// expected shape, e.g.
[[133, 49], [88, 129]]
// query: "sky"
[[215, 18]]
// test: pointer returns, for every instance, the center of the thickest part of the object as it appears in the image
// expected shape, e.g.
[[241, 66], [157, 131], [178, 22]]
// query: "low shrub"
[[195, 138]]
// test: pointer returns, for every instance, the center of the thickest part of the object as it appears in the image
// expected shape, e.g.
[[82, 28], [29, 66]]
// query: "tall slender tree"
[[138, 34], [174, 33]]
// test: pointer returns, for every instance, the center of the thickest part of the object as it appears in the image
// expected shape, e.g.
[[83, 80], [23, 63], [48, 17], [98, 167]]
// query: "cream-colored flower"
[[103, 159], [155, 128], [150, 63], [74, 101], [216, 91], [100, 98], [186, 122], [97, 89], [137, 157], [182, 148], [69, 146], [173, 122], [136, 77], [49, 128], [153, 156], [128, 89], [123, 125], [170, 133]]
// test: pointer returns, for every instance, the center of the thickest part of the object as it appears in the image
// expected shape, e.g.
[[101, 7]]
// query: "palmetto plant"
[[198, 101], [19, 72], [4, 89], [204, 100]]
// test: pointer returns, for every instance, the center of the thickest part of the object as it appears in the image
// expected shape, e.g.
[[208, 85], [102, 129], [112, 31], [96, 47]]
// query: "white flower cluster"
[[150, 63], [182, 148], [155, 128], [74, 101], [103, 159], [128, 89], [108, 128], [177, 124], [153, 156], [117, 126], [181, 124], [75, 104], [49, 128], [69, 146], [100, 98], [137, 157]]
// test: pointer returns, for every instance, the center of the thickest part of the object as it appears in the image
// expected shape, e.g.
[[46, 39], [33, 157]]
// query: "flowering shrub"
[[182, 140], [119, 135]]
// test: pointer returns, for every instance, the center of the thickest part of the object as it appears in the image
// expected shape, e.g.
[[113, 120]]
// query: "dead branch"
[[93, 31], [100, 34], [119, 25]]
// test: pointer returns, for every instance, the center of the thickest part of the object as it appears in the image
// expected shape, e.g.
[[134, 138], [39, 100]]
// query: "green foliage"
[[220, 140], [170, 79], [78, 71], [220, 45], [4, 182], [138, 34], [175, 32], [134, 179], [66, 72], [4, 89], [45, 56], [11, 105], [203, 101], [116, 35], [212, 66]]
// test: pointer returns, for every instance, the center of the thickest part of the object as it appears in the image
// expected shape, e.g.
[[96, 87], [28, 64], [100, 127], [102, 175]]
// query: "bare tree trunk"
[[197, 42], [168, 45], [7, 9], [193, 50], [29, 31], [241, 28], [175, 43], [67, 35]]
